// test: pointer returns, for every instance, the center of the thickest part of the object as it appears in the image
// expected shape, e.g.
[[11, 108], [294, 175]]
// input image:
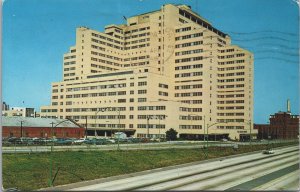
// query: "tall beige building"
[[168, 68]]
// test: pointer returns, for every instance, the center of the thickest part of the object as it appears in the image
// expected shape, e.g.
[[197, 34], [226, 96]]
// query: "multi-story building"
[[19, 111], [168, 68]]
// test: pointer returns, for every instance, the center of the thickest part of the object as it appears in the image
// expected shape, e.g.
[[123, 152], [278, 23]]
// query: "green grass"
[[31, 171]]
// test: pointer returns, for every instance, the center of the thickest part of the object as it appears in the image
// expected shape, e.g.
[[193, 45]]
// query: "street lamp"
[[22, 129], [51, 159], [160, 117], [148, 117], [207, 127]]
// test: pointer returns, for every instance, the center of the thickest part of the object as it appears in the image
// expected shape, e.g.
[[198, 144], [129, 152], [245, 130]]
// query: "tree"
[[171, 134]]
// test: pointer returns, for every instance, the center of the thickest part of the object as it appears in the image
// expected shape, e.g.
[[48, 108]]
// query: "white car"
[[268, 151], [79, 141]]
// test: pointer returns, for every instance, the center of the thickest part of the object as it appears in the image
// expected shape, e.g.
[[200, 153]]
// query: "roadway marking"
[[264, 179]]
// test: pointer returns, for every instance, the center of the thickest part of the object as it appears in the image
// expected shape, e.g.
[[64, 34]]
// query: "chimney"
[[288, 105]]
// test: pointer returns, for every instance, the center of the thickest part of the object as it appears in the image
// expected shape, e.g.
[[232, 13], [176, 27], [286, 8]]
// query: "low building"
[[263, 130], [40, 127], [283, 125]]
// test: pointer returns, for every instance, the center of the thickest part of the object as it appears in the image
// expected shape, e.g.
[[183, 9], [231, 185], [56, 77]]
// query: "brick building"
[[283, 125], [40, 127]]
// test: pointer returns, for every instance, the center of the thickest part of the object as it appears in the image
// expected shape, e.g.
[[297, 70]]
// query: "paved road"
[[279, 171]]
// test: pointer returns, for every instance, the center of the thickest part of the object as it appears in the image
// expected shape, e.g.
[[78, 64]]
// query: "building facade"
[[19, 111], [168, 68], [284, 125], [40, 127]]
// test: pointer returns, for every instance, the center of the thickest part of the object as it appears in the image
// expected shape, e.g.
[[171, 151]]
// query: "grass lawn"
[[31, 171]]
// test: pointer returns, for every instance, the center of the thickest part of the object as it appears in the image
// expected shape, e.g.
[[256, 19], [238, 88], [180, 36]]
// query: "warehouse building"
[[40, 127]]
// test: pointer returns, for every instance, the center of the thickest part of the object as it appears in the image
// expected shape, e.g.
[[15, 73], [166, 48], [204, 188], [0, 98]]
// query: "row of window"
[[188, 36], [231, 74], [230, 114], [103, 67], [189, 52], [231, 96], [144, 108], [139, 35], [230, 102], [163, 93], [230, 86], [69, 69], [69, 74], [189, 44], [190, 126], [231, 62], [163, 86], [196, 66], [188, 74], [138, 64], [151, 126], [191, 94], [105, 61], [70, 63], [230, 108], [183, 29], [107, 56], [137, 41], [230, 80], [70, 57], [187, 109], [189, 86], [192, 101], [136, 30], [138, 46], [136, 58], [109, 86], [190, 117], [231, 68], [107, 44], [106, 38], [188, 59], [97, 47]]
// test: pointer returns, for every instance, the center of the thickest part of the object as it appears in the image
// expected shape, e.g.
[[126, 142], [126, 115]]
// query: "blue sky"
[[36, 34]]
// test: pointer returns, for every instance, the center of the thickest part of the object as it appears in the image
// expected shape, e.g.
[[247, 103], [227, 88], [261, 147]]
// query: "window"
[[142, 91]]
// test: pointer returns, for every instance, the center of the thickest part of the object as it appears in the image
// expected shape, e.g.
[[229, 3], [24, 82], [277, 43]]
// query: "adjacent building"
[[283, 125], [168, 68], [19, 111], [40, 127]]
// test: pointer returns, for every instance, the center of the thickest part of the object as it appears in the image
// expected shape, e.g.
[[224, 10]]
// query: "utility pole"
[[86, 117], [21, 129], [250, 134]]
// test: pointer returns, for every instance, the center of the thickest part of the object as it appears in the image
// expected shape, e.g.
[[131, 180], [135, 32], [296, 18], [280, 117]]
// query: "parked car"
[[79, 141]]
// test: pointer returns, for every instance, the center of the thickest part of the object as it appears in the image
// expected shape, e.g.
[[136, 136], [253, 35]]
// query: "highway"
[[256, 171]]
